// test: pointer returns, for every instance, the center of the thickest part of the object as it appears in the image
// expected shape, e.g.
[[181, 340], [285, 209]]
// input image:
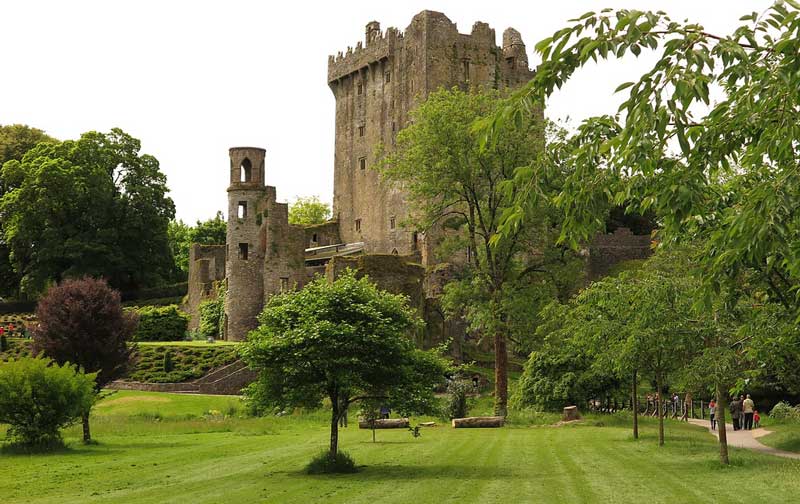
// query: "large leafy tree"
[[309, 210], [82, 322], [345, 341], [15, 141], [181, 236], [722, 168], [457, 196], [91, 206]]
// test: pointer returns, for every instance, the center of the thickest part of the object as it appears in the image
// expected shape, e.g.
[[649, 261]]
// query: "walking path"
[[746, 439]]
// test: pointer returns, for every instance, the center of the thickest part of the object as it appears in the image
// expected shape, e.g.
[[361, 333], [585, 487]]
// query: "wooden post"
[[702, 411]]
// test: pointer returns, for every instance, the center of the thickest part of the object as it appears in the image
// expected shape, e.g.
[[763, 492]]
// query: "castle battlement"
[[379, 46]]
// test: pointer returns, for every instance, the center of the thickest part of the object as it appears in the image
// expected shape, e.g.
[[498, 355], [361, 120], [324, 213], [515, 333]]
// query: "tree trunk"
[[87, 435], [334, 426], [722, 405], [384, 423], [660, 412], [635, 407], [500, 375]]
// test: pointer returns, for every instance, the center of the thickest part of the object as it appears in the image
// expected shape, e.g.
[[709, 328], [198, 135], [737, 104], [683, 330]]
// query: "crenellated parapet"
[[379, 46]]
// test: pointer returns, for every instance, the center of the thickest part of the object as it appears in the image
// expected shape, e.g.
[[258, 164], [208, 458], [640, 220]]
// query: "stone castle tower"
[[264, 255], [376, 85]]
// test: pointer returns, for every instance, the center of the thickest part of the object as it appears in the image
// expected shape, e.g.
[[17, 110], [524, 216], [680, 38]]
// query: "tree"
[[181, 237], [92, 206], [82, 322], [457, 196], [38, 398], [724, 172], [308, 211], [15, 141], [345, 341]]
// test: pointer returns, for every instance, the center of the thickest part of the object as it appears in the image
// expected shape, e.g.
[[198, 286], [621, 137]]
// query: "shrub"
[[212, 314], [39, 397], [324, 463], [3, 343], [161, 323], [785, 412], [457, 405], [168, 365], [188, 363]]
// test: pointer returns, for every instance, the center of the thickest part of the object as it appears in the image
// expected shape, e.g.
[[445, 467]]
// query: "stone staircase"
[[226, 380]]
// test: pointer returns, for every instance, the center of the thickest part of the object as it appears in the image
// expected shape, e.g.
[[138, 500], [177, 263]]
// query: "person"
[[687, 406], [385, 411], [736, 410], [748, 407], [756, 419], [475, 381], [712, 409]]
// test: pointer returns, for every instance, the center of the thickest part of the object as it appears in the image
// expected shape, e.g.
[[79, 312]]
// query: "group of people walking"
[[744, 415]]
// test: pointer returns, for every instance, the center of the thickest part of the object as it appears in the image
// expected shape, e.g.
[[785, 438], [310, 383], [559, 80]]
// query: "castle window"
[[358, 225], [245, 171], [394, 127], [314, 238], [361, 131], [284, 284], [414, 237], [394, 252], [243, 251], [362, 163], [387, 77], [392, 222], [466, 71], [360, 88], [242, 210]]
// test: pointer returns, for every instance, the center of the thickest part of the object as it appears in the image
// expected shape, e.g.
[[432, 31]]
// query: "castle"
[[375, 85]]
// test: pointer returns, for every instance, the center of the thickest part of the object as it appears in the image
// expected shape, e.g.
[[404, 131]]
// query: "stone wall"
[[376, 86], [320, 235], [609, 249], [392, 273], [206, 266]]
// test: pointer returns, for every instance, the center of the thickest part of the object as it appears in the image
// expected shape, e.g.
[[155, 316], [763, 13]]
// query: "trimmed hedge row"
[[161, 323], [175, 364], [164, 291]]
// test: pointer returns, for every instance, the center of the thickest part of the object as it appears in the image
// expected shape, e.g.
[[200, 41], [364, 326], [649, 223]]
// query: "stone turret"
[[244, 247]]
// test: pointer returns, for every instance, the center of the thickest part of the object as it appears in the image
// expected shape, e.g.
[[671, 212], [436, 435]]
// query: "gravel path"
[[747, 439]]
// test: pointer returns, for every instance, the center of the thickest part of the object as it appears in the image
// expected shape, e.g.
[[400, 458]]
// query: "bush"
[[161, 323], [210, 313], [323, 463], [457, 403], [785, 412], [39, 397]]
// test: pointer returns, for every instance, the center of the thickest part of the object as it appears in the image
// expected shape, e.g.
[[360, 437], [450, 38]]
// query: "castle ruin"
[[376, 85]]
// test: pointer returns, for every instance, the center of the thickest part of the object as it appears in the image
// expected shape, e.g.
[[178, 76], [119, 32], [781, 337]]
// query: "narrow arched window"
[[246, 171]]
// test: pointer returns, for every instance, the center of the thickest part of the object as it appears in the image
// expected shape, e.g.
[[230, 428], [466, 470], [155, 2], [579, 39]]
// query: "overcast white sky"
[[193, 78]]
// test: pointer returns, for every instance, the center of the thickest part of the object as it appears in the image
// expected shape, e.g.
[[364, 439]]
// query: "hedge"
[[164, 291], [185, 363], [161, 323]]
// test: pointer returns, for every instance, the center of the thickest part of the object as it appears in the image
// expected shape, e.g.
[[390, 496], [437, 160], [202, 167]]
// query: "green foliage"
[[212, 313], [785, 412], [168, 364], [308, 211], [92, 206], [459, 192], [38, 398], [161, 323], [325, 463], [188, 362], [561, 372], [343, 341], [457, 405], [722, 170], [3, 343], [182, 236]]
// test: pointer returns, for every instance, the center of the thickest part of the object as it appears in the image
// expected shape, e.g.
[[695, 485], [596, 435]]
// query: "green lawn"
[[180, 456], [785, 436]]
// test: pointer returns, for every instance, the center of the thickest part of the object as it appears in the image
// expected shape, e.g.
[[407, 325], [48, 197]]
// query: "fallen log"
[[384, 423], [488, 421]]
